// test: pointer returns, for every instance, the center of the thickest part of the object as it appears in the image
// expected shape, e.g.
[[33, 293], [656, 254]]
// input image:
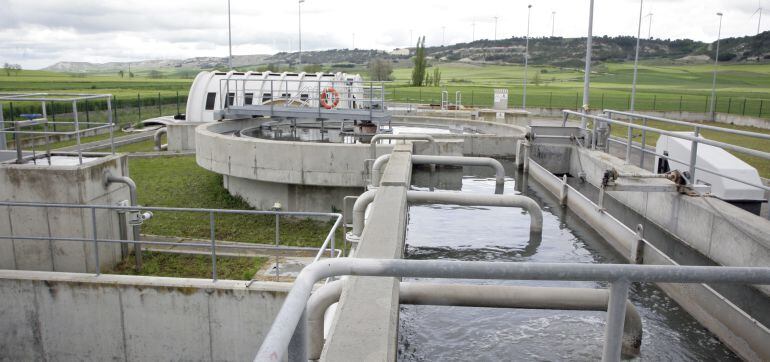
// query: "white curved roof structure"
[[212, 92]]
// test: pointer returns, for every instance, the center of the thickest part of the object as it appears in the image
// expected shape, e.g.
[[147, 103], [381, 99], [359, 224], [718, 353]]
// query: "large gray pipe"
[[424, 197], [135, 229], [465, 199], [445, 160], [157, 138], [411, 137], [486, 296]]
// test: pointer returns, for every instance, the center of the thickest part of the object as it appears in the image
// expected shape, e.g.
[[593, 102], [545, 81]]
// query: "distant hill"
[[557, 51]]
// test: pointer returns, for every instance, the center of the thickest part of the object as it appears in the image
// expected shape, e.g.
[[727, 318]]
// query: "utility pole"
[[716, 64], [526, 60], [495, 17], [299, 18], [229, 37], [553, 22], [636, 57]]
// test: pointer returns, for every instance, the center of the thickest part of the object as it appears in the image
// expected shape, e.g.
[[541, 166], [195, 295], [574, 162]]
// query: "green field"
[[741, 88]]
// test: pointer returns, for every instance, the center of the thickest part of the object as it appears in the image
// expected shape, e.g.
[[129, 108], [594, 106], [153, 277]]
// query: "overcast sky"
[[38, 33]]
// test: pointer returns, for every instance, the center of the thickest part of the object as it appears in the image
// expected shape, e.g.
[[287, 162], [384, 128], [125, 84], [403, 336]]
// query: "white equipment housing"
[[715, 159], [207, 93]]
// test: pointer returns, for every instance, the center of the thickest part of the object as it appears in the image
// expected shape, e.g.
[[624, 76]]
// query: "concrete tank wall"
[[64, 316], [181, 136], [81, 184]]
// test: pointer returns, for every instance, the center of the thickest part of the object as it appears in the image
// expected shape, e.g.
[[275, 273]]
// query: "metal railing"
[[695, 140], [320, 94], [291, 319], [135, 215], [35, 120]]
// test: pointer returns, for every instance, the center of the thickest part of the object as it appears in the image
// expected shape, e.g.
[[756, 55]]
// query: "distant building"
[[401, 51]]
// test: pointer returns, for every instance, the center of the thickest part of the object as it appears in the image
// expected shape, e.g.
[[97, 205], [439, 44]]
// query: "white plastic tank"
[[714, 159], [209, 89]]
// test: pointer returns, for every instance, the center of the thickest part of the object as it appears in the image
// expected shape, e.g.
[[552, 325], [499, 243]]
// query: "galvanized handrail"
[[138, 210], [610, 112], [620, 277], [44, 98]]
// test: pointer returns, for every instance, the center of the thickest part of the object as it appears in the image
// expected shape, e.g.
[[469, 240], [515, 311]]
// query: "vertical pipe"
[[629, 141], [636, 57], [616, 311], [96, 243], [297, 351], [643, 144], [213, 247]]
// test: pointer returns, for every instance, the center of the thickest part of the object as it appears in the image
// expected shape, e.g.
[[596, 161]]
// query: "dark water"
[[430, 333]]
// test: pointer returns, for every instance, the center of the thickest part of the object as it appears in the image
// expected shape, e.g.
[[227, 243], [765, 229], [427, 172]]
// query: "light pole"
[[299, 18], [649, 29], [229, 37], [553, 22], [443, 35], [587, 76], [526, 60], [636, 57], [495, 17], [716, 64]]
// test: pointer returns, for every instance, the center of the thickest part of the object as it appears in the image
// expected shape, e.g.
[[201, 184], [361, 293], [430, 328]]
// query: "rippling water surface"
[[437, 333]]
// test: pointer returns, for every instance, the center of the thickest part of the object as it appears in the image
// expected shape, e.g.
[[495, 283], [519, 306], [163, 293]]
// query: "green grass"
[[190, 266], [180, 182], [141, 146]]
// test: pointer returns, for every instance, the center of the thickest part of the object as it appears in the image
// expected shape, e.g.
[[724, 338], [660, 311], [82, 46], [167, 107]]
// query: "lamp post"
[[229, 37], [495, 17], [526, 60], [587, 75], [636, 57], [714, 79], [553, 22], [299, 18], [649, 28]]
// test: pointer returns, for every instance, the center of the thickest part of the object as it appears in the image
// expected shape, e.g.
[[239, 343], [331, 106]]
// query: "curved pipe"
[[276, 341], [454, 198], [135, 229], [359, 211], [445, 160], [157, 138], [485, 296], [411, 137]]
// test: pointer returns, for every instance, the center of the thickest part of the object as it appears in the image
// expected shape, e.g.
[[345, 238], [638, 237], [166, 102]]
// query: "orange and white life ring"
[[330, 98]]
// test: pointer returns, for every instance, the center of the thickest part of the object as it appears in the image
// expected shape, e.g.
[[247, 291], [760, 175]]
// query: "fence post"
[[177, 102], [88, 118], [550, 100], [729, 104], [761, 104], [139, 105], [628, 102], [680, 104], [577, 96], [654, 101], [602, 100], [706, 105], [471, 99], [743, 112], [419, 100], [53, 115]]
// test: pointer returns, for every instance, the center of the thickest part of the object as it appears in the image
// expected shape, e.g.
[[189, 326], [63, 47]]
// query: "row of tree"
[[11, 68]]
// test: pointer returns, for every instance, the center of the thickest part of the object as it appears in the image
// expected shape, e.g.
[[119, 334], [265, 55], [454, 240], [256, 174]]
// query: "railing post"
[[77, 131], [96, 243], [628, 143], [643, 144], [693, 156], [616, 311], [277, 242], [213, 247]]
